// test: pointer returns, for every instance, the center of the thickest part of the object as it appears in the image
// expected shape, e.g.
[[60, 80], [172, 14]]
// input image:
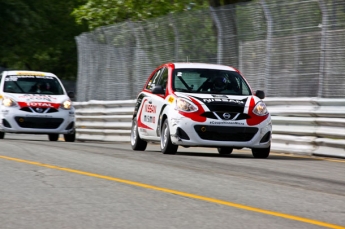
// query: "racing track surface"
[[107, 185]]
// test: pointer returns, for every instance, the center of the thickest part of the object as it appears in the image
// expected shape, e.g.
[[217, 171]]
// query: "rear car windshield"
[[46, 85], [210, 81]]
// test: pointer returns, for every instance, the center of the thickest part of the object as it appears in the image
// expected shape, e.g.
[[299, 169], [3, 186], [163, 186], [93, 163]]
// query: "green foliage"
[[106, 12], [39, 35]]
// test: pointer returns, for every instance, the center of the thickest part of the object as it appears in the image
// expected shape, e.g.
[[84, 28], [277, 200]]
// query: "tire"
[[136, 142], [225, 150], [69, 137], [53, 137], [2, 135], [261, 152], [166, 145]]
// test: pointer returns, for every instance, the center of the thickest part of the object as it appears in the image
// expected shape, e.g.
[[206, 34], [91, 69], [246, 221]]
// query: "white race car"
[[201, 105], [34, 102]]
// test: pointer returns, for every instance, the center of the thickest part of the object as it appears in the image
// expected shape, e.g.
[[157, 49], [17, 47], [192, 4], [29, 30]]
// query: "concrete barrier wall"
[[312, 126]]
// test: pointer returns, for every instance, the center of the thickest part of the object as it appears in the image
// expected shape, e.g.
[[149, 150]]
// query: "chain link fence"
[[290, 48]]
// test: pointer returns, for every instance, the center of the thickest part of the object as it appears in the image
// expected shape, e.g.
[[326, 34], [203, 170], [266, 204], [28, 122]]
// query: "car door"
[[151, 106]]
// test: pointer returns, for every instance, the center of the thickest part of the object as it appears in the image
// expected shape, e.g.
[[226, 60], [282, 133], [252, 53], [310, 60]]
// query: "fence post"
[[220, 36], [268, 45], [324, 25]]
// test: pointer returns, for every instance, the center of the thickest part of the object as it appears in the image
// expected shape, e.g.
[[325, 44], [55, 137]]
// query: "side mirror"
[[260, 94], [158, 89], [70, 94]]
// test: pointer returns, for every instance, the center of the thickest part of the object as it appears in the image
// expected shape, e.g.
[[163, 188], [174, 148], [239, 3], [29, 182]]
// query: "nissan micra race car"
[[201, 105], [34, 102]]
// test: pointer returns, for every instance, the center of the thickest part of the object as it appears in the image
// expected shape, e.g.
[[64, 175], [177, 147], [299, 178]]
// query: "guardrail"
[[312, 126]]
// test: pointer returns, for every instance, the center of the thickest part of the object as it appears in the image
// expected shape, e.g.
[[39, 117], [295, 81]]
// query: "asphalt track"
[[107, 185]]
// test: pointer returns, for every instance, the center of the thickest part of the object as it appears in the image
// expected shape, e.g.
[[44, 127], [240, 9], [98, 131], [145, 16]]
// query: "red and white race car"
[[35, 102], [201, 105]]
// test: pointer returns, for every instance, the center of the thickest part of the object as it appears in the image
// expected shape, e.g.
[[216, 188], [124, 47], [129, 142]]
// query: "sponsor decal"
[[225, 123], [225, 100], [142, 131], [140, 123], [149, 108], [40, 116], [29, 97], [39, 104], [30, 73], [220, 96], [148, 118], [5, 112], [171, 99]]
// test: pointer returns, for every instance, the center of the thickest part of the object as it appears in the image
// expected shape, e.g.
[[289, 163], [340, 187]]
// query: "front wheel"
[[225, 150], [136, 142], [166, 145], [53, 137], [69, 137], [2, 135], [261, 152]]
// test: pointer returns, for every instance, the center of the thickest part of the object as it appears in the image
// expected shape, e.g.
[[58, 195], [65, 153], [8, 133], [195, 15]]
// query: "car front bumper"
[[185, 132], [13, 120]]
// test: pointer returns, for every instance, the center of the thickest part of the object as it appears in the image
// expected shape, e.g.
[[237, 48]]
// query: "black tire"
[[225, 150], [69, 137], [53, 137], [261, 152], [166, 145], [2, 135], [136, 142]]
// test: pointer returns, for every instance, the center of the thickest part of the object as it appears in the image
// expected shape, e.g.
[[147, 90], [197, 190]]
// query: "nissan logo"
[[226, 115]]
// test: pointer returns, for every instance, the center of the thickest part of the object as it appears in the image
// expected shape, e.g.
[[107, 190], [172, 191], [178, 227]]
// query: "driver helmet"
[[220, 82]]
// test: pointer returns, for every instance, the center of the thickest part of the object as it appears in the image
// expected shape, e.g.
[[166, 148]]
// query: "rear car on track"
[[34, 102], [201, 105]]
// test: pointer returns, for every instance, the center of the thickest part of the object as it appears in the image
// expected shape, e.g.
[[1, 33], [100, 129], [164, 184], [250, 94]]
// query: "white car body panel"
[[33, 107], [232, 117]]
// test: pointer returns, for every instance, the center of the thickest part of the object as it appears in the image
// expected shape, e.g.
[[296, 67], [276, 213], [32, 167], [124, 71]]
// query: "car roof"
[[28, 72], [179, 65]]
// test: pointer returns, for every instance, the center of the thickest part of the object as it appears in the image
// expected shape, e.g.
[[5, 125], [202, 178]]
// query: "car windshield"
[[208, 81], [31, 84]]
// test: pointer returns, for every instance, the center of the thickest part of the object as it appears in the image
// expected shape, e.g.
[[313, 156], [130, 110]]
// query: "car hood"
[[36, 100]]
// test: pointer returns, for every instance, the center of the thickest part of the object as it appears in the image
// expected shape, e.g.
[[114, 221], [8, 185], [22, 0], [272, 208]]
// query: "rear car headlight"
[[185, 105], [260, 109], [8, 102], [67, 104]]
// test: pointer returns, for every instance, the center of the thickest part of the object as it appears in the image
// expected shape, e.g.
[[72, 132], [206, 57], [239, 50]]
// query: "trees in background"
[[39, 35], [106, 12]]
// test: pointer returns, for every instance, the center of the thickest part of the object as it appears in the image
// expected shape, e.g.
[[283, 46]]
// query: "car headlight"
[[260, 109], [8, 102], [67, 104], [185, 105]]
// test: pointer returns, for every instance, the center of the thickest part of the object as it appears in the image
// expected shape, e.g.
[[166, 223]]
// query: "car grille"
[[225, 133], [38, 122], [225, 108], [38, 110]]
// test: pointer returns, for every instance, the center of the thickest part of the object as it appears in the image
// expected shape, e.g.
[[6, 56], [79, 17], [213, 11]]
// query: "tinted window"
[[210, 81], [33, 85], [154, 80], [164, 78]]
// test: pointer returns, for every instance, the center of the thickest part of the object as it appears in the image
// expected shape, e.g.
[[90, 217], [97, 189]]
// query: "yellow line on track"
[[175, 192]]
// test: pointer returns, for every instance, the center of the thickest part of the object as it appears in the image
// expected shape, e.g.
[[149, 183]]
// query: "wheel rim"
[[164, 136], [134, 133]]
